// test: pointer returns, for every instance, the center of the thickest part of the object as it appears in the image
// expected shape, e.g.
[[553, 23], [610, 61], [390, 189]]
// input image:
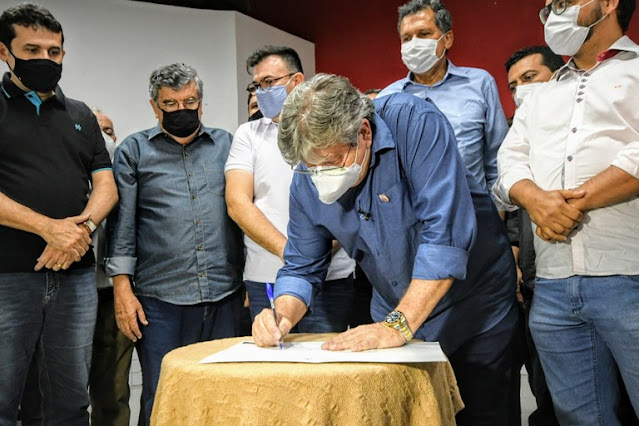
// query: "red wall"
[[358, 38]]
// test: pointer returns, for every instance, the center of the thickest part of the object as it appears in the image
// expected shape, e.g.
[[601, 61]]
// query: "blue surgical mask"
[[271, 102]]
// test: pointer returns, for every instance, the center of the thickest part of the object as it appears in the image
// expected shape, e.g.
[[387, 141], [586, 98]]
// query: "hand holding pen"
[[269, 293]]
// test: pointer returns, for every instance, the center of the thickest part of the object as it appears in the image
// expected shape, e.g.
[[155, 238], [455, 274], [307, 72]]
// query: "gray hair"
[[174, 76], [442, 15], [321, 112]]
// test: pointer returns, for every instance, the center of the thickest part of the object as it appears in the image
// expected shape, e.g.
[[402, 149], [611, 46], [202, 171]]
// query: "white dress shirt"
[[567, 131]]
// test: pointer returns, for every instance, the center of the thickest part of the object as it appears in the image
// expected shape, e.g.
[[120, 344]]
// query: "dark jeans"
[[332, 304], [110, 365], [49, 315], [482, 367], [172, 326], [361, 311]]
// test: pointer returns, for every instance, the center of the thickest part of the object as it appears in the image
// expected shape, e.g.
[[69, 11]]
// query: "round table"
[[193, 394]]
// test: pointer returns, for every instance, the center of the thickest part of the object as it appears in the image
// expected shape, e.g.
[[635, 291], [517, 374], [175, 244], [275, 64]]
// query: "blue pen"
[[269, 293]]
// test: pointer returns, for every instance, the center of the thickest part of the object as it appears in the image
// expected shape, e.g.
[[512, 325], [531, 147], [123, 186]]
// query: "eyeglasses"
[[557, 7], [266, 84], [326, 170], [171, 105]]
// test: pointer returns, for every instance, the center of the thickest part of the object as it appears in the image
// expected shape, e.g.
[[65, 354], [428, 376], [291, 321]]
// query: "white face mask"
[[332, 186], [562, 33], [523, 90], [109, 144], [420, 54]]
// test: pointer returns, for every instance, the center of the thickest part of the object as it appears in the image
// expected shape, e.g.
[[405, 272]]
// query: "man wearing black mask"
[[170, 233], [52, 149]]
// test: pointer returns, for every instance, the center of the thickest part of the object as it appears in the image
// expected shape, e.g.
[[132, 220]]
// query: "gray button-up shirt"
[[171, 230]]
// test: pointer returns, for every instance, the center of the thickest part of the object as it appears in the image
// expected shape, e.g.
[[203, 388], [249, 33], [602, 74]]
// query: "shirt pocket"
[[214, 178]]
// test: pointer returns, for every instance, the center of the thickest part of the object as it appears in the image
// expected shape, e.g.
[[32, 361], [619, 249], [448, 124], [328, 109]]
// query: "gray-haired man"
[[171, 233], [367, 173]]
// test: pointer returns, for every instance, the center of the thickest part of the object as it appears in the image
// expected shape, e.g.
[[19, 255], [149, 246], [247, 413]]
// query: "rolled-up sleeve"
[[512, 161], [440, 193], [121, 226]]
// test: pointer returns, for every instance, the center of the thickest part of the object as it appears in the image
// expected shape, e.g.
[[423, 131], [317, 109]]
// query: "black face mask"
[[256, 115], [181, 123], [41, 75]]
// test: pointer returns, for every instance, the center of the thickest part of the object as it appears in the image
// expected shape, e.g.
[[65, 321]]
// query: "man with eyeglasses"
[[174, 254], [257, 194], [385, 179], [468, 97], [571, 159]]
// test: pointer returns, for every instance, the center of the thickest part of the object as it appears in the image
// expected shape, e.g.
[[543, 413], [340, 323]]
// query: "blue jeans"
[[584, 328], [172, 326], [332, 305], [49, 316]]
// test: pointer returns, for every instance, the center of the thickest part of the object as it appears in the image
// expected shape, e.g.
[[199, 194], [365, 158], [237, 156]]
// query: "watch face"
[[393, 317]]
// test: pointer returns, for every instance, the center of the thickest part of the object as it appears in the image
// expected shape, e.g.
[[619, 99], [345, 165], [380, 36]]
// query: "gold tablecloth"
[[192, 394]]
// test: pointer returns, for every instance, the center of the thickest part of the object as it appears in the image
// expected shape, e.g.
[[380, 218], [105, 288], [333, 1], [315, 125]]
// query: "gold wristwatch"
[[397, 320], [90, 226]]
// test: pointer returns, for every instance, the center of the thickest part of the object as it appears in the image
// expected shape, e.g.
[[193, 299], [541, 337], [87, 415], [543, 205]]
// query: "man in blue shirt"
[[468, 97], [170, 234], [387, 182]]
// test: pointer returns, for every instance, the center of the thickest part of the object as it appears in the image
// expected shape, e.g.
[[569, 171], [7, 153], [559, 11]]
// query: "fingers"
[[572, 193], [81, 218], [365, 337], [265, 330]]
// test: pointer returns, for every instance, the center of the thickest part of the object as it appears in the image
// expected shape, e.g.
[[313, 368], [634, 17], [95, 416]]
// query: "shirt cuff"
[[435, 262], [294, 286], [500, 192], [120, 265], [627, 164]]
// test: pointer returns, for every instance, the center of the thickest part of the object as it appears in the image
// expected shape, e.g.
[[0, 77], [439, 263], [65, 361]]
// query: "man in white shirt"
[[571, 159], [257, 196]]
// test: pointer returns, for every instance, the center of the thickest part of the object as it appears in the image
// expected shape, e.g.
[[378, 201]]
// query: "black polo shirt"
[[48, 151]]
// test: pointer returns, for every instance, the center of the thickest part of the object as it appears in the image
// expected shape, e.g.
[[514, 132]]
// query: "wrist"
[[89, 225], [396, 320]]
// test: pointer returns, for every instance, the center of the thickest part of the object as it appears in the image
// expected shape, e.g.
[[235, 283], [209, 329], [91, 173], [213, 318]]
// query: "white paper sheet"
[[312, 352]]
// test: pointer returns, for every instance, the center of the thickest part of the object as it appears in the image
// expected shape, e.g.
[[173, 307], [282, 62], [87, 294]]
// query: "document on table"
[[312, 352]]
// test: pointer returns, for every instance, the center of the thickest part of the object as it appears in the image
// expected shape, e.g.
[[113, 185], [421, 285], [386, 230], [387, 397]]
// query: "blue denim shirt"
[[418, 213], [170, 229], [469, 99]]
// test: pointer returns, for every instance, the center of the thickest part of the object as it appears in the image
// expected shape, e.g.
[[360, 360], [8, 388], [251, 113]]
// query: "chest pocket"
[[214, 176]]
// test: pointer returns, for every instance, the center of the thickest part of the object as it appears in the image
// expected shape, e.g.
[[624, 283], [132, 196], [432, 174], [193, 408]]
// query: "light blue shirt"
[[469, 99], [418, 213]]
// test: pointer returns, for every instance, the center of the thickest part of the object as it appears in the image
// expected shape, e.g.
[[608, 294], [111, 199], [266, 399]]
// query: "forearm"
[[523, 192], [421, 298], [17, 216], [612, 186], [256, 226], [103, 197]]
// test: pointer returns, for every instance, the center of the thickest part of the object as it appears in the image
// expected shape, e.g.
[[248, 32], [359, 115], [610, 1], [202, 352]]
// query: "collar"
[[157, 130], [11, 90], [623, 44], [382, 138], [451, 70]]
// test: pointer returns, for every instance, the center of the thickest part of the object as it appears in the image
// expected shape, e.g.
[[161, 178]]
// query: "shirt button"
[[190, 175], [197, 222], [583, 80], [194, 196], [394, 283], [579, 100], [202, 274], [574, 130], [580, 93], [199, 247], [586, 74], [569, 158], [582, 86]]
